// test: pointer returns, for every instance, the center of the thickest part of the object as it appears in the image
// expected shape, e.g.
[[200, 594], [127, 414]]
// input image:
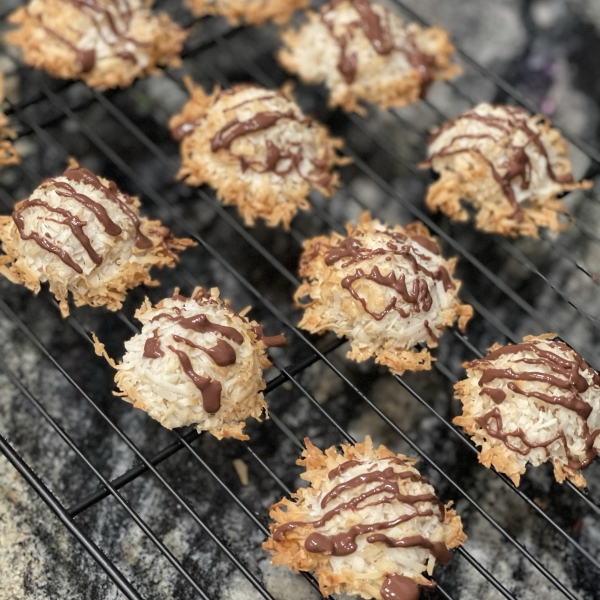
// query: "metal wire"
[[286, 373]]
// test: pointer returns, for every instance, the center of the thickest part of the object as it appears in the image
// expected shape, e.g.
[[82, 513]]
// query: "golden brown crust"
[[159, 42], [291, 551], [494, 453], [313, 54], [109, 292], [322, 284], [250, 12], [8, 153], [469, 177], [173, 405], [266, 195]]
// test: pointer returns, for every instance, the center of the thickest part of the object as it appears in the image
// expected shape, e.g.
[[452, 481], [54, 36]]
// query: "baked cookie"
[[82, 235], [369, 524], [386, 289], [512, 166], [532, 402], [363, 52], [8, 153], [248, 12], [106, 43], [195, 362], [257, 149]]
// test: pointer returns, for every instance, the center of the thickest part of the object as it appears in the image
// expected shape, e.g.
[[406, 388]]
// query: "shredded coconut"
[[106, 43], [334, 48], [8, 153], [122, 264], [267, 172], [155, 379], [393, 293], [510, 165], [364, 570], [536, 407]]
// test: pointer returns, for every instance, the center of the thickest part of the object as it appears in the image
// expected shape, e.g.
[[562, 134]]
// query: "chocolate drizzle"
[[344, 543], [518, 163], [71, 220], [565, 374], [84, 175], [398, 587], [438, 549], [183, 130], [379, 36], [118, 16], [76, 225], [66, 191], [236, 128], [270, 341], [352, 251], [419, 296], [209, 388], [43, 241], [125, 16], [221, 353], [280, 161], [152, 348], [86, 59], [378, 31], [201, 324]]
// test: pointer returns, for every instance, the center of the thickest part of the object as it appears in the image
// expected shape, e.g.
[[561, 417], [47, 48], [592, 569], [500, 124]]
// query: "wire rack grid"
[[258, 266]]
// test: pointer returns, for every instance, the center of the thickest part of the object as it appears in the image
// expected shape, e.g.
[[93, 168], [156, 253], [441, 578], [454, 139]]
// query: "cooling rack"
[[516, 288]]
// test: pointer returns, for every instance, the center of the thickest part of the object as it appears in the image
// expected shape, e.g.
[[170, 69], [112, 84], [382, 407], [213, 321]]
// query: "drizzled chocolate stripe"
[[381, 39], [399, 587], [344, 543], [66, 191], [518, 163], [121, 11], [352, 249], [419, 296], [86, 59], [438, 549], [43, 242], [125, 15], [201, 324], [221, 353], [83, 175], [152, 347], [71, 220], [236, 128], [270, 341], [566, 375], [210, 389], [280, 161]]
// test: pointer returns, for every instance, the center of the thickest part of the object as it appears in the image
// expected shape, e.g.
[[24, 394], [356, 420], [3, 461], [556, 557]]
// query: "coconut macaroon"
[[196, 362], [250, 12], [369, 524], [8, 153], [532, 402], [106, 43], [82, 235], [510, 165], [386, 289], [364, 53], [257, 149]]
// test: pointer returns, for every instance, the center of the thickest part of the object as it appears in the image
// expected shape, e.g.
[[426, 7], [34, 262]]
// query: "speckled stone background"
[[549, 50]]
